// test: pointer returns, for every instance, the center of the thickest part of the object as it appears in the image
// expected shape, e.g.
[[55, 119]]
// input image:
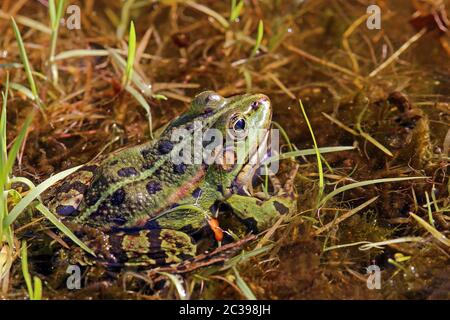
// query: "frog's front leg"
[[259, 214]]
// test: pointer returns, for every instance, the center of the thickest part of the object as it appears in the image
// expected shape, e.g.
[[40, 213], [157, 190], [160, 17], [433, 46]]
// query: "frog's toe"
[[155, 247]]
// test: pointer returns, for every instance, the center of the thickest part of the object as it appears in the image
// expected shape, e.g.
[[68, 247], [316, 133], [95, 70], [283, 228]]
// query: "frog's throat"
[[244, 179]]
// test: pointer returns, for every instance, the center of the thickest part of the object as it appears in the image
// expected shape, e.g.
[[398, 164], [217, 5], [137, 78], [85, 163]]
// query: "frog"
[[148, 209]]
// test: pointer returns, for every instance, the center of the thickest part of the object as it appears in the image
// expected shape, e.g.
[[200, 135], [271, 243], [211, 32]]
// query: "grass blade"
[[144, 104], [61, 226], [81, 53], [25, 62], [37, 288], [208, 12], [25, 272], [362, 184], [23, 90], [236, 9], [178, 285], [305, 152], [55, 17], [316, 149], [434, 232], [246, 291], [131, 55], [12, 155], [259, 37]]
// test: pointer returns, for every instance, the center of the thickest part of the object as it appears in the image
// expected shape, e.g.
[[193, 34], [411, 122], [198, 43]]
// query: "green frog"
[[148, 209]]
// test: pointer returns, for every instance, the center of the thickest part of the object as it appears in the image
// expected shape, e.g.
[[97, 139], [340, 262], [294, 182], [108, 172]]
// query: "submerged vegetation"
[[365, 113]]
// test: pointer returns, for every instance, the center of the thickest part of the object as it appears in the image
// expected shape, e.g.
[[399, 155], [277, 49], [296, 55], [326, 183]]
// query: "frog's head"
[[241, 122], [244, 123]]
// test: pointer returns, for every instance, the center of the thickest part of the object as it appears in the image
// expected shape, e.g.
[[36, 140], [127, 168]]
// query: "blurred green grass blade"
[[144, 104], [362, 184], [316, 149], [52, 12], [53, 219], [28, 22], [124, 18], [12, 154], [131, 55], [259, 37], [242, 285], [208, 12], [137, 80], [55, 17], [245, 256], [37, 288], [3, 117], [432, 230], [24, 58], [25, 272], [33, 194], [81, 53], [236, 9], [306, 152], [23, 90]]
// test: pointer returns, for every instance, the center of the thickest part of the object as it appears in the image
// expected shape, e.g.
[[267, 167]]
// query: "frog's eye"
[[238, 126]]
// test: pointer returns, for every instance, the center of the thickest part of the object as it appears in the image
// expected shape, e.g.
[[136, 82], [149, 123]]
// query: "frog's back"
[[127, 188]]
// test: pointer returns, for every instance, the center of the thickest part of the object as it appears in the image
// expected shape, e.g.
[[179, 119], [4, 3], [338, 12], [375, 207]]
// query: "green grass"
[[363, 184], [316, 149], [55, 17], [34, 289], [25, 62], [236, 9], [259, 37], [131, 56], [12, 198]]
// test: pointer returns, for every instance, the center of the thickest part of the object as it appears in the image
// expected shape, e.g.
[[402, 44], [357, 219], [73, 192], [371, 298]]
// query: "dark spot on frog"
[[255, 105], [251, 224], [118, 197], [220, 188], [152, 224], [179, 168], [127, 172], [281, 208], [66, 210], [77, 185], [145, 153], [92, 198], [197, 192], [119, 220], [207, 113], [147, 166], [165, 146], [89, 168], [114, 162], [153, 187]]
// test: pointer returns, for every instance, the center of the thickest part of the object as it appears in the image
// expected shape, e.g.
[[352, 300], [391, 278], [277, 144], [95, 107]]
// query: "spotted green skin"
[[131, 197]]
